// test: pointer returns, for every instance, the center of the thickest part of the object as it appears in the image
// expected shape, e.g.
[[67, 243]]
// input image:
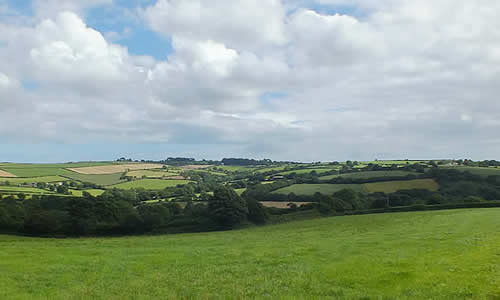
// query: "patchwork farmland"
[[6, 174], [112, 169]]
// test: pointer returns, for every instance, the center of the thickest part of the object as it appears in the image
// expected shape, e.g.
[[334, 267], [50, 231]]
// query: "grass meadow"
[[93, 192], [149, 184], [369, 174], [26, 190], [104, 179], [307, 171], [386, 187], [421, 255], [394, 186], [480, 170], [38, 170], [19, 180], [311, 189], [150, 174]]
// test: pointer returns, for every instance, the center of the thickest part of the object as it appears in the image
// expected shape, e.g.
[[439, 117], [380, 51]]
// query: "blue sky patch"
[[122, 21], [30, 85]]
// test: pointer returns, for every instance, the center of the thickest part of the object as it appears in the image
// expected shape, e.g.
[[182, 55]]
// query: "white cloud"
[[69, 48], [243, 24], [4, 81], [402, 78]]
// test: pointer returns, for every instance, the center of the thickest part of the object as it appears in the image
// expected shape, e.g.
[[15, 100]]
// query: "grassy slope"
[[479, 171], [24, 190], [151, 184], [105, 179], [394, 186], [150, 173], [386, 187], [34, 170], [306, 171], [443, 254], [310, 189], [35, 179], [369, 174], [93, 192]]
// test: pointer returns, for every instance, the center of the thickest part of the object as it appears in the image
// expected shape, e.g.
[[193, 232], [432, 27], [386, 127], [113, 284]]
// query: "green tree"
[[257, 213], [227, 208]]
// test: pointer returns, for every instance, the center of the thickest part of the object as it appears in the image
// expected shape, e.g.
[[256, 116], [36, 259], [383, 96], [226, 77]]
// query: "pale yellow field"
[[6, 174], [111, 169]]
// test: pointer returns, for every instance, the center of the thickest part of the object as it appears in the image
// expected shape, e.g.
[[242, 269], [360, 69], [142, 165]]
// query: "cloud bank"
[[279, 79]]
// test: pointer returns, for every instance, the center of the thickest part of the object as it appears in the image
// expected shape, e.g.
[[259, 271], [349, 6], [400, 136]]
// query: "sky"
[[302, 80]]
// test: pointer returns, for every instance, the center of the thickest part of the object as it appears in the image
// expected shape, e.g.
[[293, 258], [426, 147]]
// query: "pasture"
[[104, 180], [209, 172], [309, 170], [28, 170], [369, 174], [422, 255], [311, 189], [25, 190], [394, 186], [150, 174], [93, 192], [47, 179], [479, 171], [385, 187], [234, 168], [111, 169], [149, 184]]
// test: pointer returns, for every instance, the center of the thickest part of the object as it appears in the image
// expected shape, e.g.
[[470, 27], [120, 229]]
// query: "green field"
[[369, 174], [93, 192], [240, 191], [479, 170], [37, 170], [149, 184], [273, 169], [395, 162], [209, 172], [386, 187], [394, 186], [47, 179], [26, 190], [307, 171], [150, 174], [425, 255], [311, 189], [234, 168], [104, 179]]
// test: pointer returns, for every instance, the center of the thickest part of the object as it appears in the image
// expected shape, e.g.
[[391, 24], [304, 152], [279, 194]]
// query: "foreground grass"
[[442, 254]]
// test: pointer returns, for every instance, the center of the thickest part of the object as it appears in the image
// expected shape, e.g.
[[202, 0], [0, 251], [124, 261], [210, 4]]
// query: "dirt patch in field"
[[6, 174], [281, 204], [112, 169], [196, 167]]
